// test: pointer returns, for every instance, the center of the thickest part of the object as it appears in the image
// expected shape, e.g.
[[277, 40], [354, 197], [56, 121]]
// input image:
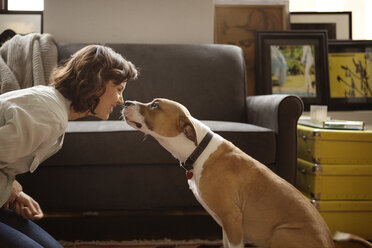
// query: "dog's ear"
[[188, 129], [190, 133]]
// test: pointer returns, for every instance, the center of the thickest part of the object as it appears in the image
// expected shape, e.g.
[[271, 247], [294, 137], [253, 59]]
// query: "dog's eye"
[[154, 105]]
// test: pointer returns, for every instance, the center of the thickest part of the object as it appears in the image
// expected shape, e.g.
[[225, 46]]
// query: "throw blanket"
[[26, 61]]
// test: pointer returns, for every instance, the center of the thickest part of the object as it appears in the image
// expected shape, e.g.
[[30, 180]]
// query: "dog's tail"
[[347, 237]]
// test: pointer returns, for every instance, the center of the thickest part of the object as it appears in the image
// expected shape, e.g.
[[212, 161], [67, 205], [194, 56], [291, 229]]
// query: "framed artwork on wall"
[[235, 23], [350, 72], [22, 22], [338, 24], [293, 62]]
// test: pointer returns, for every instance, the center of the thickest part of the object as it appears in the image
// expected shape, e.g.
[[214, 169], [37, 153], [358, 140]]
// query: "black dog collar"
[[188, 164]]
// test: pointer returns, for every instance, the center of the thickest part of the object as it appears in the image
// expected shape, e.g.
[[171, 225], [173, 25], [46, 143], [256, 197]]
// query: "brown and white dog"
[[248, 200]]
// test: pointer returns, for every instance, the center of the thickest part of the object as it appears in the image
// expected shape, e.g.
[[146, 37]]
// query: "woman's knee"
[[28, 229], [12, 238]]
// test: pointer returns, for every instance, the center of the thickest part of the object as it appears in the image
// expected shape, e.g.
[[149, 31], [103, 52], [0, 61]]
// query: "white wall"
[[130, 21]]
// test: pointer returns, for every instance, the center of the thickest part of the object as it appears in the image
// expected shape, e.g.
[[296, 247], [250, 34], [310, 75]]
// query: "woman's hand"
[[27, 207], [16, 191]]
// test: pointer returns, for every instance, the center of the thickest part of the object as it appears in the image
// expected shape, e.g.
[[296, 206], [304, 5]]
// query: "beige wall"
[[130, 21]]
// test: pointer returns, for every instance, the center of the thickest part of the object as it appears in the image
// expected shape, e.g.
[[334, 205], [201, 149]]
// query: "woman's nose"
[[120, 100]]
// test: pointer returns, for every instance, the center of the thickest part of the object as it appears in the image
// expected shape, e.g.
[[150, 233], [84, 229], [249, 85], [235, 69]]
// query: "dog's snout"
[[128, 103]]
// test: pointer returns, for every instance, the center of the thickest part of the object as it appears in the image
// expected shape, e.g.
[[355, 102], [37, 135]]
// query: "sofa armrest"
[[279, 113]]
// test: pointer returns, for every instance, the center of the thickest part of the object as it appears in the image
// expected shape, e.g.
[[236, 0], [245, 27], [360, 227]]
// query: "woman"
[[32, 126]]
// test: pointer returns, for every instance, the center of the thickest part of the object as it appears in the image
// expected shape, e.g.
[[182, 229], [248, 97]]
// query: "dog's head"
[[160, 118]]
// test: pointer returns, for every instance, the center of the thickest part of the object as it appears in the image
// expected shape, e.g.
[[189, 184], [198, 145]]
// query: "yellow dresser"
[[347, 216], [334, 181], [328, 146], [335, 171]]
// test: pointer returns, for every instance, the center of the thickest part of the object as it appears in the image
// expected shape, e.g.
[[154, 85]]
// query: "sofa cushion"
[[112, 142], [107, 165]]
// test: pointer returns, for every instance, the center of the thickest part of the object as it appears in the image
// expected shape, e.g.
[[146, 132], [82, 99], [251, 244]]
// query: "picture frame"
[[330, 27], [293, 62], [235, 23], [320, 20], [350, 74], [22, 22]]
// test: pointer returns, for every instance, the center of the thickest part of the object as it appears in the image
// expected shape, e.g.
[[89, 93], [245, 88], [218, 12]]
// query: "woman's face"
[[112, 97]]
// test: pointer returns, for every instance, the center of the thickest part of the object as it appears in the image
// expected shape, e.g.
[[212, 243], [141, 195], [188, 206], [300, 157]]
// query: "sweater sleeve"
[[6, 182]]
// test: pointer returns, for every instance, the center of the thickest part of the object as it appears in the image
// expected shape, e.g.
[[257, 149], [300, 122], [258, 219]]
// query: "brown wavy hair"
[[83, 77]]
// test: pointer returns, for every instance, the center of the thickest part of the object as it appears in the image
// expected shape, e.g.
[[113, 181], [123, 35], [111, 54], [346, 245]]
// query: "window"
[[22, 5], [25, 5]]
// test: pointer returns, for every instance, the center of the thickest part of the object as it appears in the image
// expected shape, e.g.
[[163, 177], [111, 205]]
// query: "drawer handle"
[[304, 137]]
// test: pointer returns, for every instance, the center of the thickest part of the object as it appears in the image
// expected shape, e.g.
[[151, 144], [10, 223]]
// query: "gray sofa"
[[108, 166]]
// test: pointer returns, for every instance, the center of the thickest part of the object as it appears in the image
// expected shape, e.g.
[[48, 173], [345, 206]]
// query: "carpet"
[[146, 244], [166, 243]]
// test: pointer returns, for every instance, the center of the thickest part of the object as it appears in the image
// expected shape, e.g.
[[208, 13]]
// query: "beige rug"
[[165, 243]]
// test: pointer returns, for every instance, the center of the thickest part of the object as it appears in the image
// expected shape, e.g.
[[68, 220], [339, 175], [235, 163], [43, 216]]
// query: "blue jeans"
[[16, 232]]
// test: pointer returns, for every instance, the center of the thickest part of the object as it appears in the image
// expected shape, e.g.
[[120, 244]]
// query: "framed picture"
[[22, 22], [339, 23], [350, 75], [293, 62], [330, 27], [236, 23]]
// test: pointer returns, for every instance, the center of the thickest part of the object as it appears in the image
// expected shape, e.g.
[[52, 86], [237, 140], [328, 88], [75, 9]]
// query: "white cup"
[[318, 113]]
